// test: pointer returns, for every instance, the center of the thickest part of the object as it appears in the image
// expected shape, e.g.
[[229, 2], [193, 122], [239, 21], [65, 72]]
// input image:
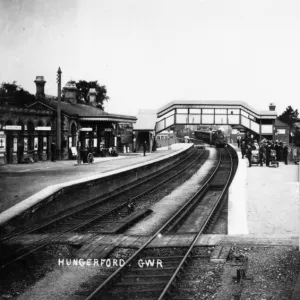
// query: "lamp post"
[[58, 127]]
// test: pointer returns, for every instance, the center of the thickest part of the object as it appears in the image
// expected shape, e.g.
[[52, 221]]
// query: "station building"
[[27, 133]]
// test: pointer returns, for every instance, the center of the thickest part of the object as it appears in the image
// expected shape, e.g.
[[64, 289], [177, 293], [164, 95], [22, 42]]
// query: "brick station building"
[[26, 133]]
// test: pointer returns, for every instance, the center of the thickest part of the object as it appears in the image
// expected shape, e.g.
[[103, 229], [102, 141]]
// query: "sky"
[[150, 52]]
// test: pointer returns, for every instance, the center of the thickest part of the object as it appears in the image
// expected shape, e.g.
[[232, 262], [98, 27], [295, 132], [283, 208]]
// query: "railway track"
[[131, 282], [102, 212]]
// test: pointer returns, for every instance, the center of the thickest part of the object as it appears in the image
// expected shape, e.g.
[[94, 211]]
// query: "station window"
[[194, 119], [251, 117], [182, 110], [221, 119], [221, 111], [170, 113], [207, 111], [182, 119], [207, 119], [195, 110], [244, 113], [233, 111]]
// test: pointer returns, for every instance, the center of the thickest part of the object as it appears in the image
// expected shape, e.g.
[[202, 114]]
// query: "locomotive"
[[213, 137]]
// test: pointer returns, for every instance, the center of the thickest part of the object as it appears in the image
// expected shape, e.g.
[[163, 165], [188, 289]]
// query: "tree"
[[83, 88], [14, 94], [289, 116], [297, 137]]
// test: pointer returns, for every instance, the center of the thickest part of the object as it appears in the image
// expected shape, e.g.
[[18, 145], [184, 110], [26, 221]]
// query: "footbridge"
[[218, 112]]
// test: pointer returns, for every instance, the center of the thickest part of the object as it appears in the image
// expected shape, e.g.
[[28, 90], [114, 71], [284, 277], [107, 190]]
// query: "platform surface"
[[267, 202], [22, 181]]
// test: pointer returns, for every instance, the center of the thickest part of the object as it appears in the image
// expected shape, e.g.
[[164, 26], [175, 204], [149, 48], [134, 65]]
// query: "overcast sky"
[[150, 52]]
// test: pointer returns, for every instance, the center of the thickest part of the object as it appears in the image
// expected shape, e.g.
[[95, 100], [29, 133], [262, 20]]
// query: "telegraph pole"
[[58, 126]]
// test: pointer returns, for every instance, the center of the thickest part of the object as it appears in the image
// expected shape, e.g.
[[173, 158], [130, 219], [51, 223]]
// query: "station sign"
[[107, 129], [280, 131], [45, 128], [12, 127], [86, 129]]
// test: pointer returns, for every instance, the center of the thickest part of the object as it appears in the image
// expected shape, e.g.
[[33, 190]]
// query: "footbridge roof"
[[216, 104]]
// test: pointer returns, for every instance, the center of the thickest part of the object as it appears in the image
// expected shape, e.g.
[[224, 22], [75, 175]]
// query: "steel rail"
[[102, 201], [131, 258], [49, 240], [179, 268]]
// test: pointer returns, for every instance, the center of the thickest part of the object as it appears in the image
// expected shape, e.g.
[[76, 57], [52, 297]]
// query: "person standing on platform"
[[285, 153], [53, 152], [243, 149], [261, 152], [249, 154], [280, 151], [238, 141], [145, 148], [268, 154], [78, 152]]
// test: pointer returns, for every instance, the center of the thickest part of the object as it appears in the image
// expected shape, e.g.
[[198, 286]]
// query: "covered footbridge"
[[218, 112]]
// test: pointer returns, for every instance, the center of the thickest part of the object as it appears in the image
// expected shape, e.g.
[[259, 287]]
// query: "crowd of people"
[[267, 151]]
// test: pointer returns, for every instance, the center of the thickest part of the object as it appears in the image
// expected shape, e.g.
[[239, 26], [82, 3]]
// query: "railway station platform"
[[22, 182], [264, 201]]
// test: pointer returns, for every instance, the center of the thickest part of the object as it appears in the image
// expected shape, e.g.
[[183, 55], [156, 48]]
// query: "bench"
[[126, 222]]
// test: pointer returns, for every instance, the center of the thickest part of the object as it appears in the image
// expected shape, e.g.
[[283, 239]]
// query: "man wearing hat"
[[261, 152], [249, 154], [268, 154], [281, 156], [285, 152]]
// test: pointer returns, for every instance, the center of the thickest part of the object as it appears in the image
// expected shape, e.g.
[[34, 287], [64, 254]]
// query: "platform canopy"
[[217, 112], [146, 120]]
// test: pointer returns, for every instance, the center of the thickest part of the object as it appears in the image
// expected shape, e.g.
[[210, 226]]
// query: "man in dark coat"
[[281, 157], [268, 154], [285, 153], [261, 152], [145, 148], [243, 149], [249, 154], [53, 150]]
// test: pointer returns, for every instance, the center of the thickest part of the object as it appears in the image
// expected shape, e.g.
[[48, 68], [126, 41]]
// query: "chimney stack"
[[40, 85], [92, 97], [272, 107], [70, 90]]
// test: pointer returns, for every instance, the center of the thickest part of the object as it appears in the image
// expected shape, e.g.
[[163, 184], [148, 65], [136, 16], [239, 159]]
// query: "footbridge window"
[[195, 116]]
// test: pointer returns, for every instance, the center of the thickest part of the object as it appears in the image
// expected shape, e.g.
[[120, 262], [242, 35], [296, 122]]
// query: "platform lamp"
[[58, 127]]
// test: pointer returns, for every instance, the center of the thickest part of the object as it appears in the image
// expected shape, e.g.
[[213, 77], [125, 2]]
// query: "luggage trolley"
[[87, 156]]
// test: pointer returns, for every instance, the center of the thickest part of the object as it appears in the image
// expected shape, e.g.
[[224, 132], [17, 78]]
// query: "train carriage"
[[213, 137]]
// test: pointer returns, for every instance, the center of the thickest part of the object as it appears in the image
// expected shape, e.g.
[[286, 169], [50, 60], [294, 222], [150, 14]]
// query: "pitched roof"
[[279, 123], [146, 120], [84, 111]]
